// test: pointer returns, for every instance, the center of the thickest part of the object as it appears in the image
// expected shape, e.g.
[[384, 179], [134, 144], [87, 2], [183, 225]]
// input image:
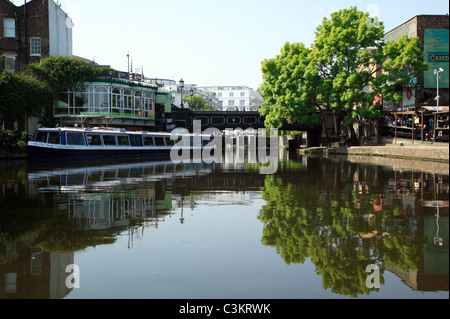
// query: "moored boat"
[[64, 143]]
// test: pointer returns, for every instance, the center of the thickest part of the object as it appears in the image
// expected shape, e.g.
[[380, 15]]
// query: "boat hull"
[[37, 153]]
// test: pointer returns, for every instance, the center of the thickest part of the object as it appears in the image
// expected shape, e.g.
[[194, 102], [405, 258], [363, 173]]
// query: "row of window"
[[9, 31], [242, 94], [75, 138], [231, 102]]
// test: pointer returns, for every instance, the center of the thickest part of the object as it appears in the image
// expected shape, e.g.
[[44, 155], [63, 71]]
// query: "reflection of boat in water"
[[69, 179], [114, 195], [107, 143]]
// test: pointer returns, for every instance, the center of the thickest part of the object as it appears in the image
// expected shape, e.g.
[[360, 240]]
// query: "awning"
[[435, 108]]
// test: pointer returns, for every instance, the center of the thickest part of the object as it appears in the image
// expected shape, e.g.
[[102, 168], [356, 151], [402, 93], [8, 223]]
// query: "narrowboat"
[[67, 143]]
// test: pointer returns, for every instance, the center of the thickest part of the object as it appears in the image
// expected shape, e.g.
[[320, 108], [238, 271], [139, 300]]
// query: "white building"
[[235, 98]]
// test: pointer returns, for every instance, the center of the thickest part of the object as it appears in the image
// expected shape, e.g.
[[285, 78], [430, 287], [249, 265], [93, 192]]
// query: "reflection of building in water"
[[428, 217], [27, 272], [218, 198]]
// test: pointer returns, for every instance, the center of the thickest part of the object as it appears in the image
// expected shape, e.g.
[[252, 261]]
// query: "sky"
[[211, 42]]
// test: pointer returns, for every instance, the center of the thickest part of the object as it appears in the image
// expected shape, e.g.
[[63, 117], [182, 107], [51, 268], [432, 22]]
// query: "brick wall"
[[31, 21], [7, 11]]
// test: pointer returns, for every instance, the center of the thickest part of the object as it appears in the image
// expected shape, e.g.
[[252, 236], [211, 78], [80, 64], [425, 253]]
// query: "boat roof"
[[109, 130]]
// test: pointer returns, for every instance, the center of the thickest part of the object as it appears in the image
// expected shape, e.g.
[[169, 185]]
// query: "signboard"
[[437, 56], [409, 100], [407, 104]]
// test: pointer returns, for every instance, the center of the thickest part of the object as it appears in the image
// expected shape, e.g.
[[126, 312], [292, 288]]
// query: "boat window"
[[41, 137], [94, 139], [109, 139], [170, 142], [148, 140], [75, 139], [159, 141], [54, 138], [123, 140], [136, 140]]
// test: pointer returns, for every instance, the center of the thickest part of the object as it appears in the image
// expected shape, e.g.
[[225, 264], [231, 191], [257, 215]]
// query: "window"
[[242, 93], [9, 27], [10, 62], [170, 142], [231, 103], [75, 139], [11, 283], [219, 94], [136, 140], [41, 137], [94, 139], [123, 140], [35, 46], [242, 102], [159, 141], [109, 140], [231, 94], [54, 138], [148, 140]]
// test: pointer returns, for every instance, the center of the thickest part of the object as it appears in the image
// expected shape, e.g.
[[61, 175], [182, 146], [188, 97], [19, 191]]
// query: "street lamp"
[[191, 91], [436, 125], [181, 87], [436, 72]]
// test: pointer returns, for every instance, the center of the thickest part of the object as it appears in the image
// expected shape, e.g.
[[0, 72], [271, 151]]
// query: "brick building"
[[433, 33], [36, 29]]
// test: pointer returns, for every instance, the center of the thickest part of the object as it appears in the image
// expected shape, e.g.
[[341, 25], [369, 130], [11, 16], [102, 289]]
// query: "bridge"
[[238, 119]]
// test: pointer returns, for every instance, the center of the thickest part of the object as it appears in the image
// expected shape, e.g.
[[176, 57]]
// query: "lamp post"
[[436, 72], [191, 91], [181, 87], [128, 56], [436, 125]]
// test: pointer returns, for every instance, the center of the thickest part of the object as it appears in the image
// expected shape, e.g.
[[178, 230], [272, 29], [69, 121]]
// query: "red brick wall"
[[36, 26]]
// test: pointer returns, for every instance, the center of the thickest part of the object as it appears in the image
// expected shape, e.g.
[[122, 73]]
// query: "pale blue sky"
[[210, 42]]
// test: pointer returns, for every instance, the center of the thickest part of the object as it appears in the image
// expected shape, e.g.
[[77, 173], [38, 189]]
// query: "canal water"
[[317, 228]]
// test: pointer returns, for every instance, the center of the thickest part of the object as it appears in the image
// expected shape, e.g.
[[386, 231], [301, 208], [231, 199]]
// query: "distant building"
[[34, 30], [235, 98], [433, 33]]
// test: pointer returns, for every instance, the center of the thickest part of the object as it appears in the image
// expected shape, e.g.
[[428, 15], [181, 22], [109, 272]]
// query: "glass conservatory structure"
[[111, 99]]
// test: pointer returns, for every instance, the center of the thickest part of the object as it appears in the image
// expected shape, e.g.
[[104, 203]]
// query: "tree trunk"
[[324, 126], [354, 137]]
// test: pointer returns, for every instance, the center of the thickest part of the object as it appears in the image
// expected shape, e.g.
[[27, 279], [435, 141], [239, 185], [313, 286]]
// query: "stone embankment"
[[425, 152], [437, 152], [423, 157]]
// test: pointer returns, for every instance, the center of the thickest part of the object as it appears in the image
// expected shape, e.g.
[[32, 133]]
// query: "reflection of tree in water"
[[338, 228]]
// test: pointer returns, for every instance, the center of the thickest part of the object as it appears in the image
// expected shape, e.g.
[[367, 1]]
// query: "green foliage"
[[32, 93], [11, 138], [22, 95], [197, 103], [285, 88], [65, 73], [344, 71]]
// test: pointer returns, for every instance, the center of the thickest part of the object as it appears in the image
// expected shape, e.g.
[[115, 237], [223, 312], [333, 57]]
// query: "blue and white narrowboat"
[[64, 143]]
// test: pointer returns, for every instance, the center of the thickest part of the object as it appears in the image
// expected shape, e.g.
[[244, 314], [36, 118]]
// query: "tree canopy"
[[197, 103], [343, 72], [32, 92]]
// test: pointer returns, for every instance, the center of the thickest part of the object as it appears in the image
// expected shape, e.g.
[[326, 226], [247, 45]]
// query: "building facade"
[[433, 33], [34, 30], [235, 98]]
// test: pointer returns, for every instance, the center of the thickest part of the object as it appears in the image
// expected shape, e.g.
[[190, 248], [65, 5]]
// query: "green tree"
[[343, 72], [66, 73], [22, 95], [197, 103], [287, 97]]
